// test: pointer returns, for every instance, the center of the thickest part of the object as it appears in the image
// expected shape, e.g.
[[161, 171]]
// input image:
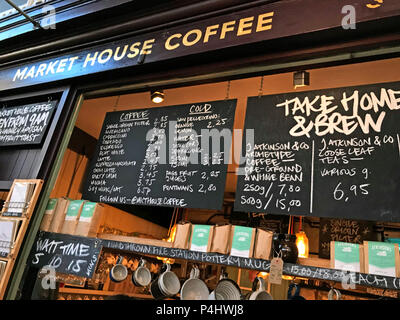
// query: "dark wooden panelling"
[[8, 160]]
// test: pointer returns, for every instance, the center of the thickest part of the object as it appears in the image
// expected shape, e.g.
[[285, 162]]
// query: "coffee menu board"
[[331, 153], [172, 156], [25, 124], [343, 230], [66, 254]]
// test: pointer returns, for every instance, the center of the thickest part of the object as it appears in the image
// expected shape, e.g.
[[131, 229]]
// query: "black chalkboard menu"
[[66, 253], [343, 230], [172, 156], [331, 153], [25, 124]]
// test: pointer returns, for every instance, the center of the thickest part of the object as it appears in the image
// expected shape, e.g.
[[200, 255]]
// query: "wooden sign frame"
[[24, 222]]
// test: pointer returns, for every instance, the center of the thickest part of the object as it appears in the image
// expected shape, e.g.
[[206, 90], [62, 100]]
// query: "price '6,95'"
[[355, 190]]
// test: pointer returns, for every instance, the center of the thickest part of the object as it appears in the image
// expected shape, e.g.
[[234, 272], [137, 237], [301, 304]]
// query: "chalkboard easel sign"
[[66, 254], [25, 124], [343, 230], [175, 156]]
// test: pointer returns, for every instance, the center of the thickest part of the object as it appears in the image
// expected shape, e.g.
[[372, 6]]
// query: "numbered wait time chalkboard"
[[331, 153], [172, 156], [66, 254]]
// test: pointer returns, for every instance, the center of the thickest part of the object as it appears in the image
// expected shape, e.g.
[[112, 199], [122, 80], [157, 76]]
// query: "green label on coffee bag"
[[51, 205], [73, 209], [242, 241], [381, 258], [87, 211], [347, 256], [200, 238]]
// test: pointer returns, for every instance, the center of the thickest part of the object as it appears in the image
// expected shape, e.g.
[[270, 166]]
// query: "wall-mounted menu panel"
[[327, 153], [172, 156], [25, 124]]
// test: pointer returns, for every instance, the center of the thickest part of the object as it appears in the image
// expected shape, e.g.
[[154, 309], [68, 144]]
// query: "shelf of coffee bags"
[[347, 279]]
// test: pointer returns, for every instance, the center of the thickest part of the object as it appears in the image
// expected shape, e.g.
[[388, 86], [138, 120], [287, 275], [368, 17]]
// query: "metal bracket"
[[35, 23]]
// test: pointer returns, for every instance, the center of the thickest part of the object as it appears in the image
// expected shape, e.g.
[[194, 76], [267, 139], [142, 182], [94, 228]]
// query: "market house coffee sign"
[[271, 21]]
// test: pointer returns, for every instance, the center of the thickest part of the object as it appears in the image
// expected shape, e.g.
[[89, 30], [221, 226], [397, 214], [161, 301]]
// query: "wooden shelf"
[[23, 222], [313, 271], [101, 293], [314, 261]]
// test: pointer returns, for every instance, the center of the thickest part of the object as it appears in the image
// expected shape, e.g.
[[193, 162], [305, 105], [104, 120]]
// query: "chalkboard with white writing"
[[66, 254], [343, 230], [331, 153], [172, 156], [25, 124]]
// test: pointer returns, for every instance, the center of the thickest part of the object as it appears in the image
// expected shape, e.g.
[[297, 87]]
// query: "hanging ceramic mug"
[[118, 272], [335, 292], [141, 277], [166, 284], [226, 289], [194, 288], [260, 293], [296, 295]]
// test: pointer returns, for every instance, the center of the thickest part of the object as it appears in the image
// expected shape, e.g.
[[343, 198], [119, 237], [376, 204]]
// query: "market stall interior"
[[174, 231]]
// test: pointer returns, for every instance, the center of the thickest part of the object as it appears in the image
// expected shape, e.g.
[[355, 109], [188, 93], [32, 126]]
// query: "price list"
[[330, 153], [173, 156]]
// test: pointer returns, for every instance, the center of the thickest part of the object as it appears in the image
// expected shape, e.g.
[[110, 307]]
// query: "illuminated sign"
[[276, 20]]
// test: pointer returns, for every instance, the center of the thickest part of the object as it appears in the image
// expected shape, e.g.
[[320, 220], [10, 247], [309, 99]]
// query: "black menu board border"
[[330, 153], [159, 156]]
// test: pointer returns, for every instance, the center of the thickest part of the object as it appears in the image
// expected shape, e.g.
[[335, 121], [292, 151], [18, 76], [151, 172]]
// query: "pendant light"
[[157, 96], [302, 242]]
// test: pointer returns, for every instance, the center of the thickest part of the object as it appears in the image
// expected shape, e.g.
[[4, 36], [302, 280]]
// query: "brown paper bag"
[[221, 239], [263, 244], [59, 215], [72, 216], [182, 235], [49, 214], [89, 220]]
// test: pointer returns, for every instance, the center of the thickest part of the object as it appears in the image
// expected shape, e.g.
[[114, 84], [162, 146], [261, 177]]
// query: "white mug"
[[260, 293], [226, 289], [194, 288], [166, 285], [118, 272], [141, 277]]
